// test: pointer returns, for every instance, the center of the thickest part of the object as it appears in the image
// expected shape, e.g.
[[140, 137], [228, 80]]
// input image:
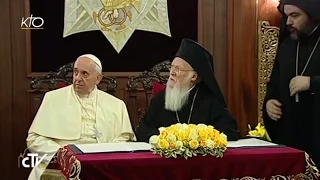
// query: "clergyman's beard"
[[176, 98], [304, 33], [294, 34], [298, 35]]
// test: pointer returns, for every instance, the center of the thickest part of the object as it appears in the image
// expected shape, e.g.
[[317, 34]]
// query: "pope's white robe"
[[66, 118]]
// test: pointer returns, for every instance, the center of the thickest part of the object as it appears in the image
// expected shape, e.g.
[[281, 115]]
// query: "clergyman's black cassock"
[[299, 125], [209, 106]]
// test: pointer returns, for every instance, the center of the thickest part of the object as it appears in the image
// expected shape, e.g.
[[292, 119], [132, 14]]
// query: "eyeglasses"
[[177, 69]]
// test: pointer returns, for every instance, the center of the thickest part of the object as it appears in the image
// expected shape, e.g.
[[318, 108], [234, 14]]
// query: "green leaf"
[[189, 153], [174, 155]]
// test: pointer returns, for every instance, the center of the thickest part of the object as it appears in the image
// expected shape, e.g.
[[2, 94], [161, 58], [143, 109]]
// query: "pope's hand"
[[274, 109], [298, 84]]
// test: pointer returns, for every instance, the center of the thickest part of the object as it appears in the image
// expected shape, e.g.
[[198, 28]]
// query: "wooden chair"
[[268, 38], [63, 77], [145, 83]]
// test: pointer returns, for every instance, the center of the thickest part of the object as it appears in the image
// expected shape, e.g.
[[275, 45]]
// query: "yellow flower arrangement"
[[260, 132], [188, 141]]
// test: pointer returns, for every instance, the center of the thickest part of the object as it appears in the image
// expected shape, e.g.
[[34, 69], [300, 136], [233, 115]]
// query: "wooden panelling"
[[242, 62], [268, 12], [34, 102], [20, 86], [5, 90], [212, 35], [220, 43]]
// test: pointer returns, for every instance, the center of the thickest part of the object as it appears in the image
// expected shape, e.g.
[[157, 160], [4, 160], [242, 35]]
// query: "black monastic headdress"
[[202, 62], [311, 7], [283, 24]]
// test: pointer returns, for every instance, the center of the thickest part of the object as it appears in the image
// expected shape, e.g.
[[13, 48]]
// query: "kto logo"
[[31, 160], [32, 22]]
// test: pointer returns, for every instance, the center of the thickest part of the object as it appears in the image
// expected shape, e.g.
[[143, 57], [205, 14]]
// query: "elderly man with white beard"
[[192, 96]]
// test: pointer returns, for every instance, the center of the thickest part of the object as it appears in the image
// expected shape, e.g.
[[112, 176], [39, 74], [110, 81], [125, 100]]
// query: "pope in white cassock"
[[78, 114]]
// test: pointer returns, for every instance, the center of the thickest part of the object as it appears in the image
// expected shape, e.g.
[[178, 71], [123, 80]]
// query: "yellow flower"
[[171, 131], [172, 145], [193, 134], [192, 126], [194, 144], [154, 139], [203, 134], [254, 133], [224, 139], [163, 134], [185, 142], [182, 135], [181, 128], [261, 130], [201, 126], [161, 129], [185, 126], [163, 144], [209, 143], [174, 127], [214, 134], [180, 138], [179, 144], [210, 128], [203, 143], [171, 138], [221, 141]]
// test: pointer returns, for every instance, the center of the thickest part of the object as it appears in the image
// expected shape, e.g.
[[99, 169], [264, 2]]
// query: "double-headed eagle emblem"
[[116, 19], [114, 12]]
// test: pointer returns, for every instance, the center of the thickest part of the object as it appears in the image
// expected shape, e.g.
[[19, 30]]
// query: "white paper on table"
[[251, 142], [114, 147]]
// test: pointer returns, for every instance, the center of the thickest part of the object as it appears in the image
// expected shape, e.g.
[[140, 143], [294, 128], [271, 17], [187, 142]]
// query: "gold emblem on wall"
[[116, 19], [109, 14]]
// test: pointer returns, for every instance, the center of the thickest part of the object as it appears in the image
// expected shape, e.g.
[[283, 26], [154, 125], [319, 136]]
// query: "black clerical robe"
[[300, 121], [206, 110]]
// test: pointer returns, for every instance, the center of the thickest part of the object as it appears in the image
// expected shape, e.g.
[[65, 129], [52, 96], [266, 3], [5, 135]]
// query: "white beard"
[[176, 98]]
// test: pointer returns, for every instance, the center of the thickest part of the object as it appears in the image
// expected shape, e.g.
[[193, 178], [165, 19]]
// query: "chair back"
[[145, 83], [63, 77]]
